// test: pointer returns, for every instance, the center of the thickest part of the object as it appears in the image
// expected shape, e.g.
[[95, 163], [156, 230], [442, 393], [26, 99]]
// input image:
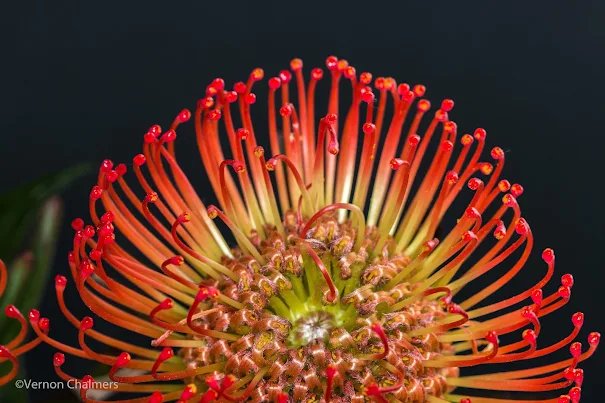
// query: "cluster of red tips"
[[516, 190], [408, 96], [156, 397], [189, 391], [450, 127], [576, 375], [122, 360], [529, 336], [423, 105], [106, 166], [89, 231], [468, 236], [474, 183], [497, 153], [414, 140], [33, 315], [536, 296], [213, 210], [250, 98], [500, 231], [218, 389], [447, 105], [504, 185], [367, 95], [403, 89], [164, 355], [480, 134], [472, 212], [566, 285], [365, 78], [168, 137], [215, 114], [86, 324], [285, 76], [230, 96], [509, 200], [239, 87], [350, 72], [183, 116], [522, 227], [206, 292], [374, 391], [274, 83], [85, 268], [96, 193], [466, 140], [492, 337], [369, 128], [441, 115], [44, 324], [60, 282], [575, 349], [447, 146], [77, 224], [419, 90], [286, 110], [139, 160], [397, 163], [12, 312], [218, 84], [332, 62], [594, 338], [486, 168], [296, 64], [577, 319], [451, 177], [165, 304], [152, 134], [573, 396], [184, 218], [567, 280], [58, 359]]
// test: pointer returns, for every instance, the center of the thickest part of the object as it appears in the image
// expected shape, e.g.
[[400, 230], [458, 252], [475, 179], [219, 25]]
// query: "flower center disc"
[[314, 325]]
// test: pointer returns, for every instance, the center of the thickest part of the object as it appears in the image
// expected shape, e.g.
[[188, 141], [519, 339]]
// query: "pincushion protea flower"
[[341, 288]]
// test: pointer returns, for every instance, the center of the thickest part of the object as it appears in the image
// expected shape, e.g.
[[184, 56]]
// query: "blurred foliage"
[[30, 221]]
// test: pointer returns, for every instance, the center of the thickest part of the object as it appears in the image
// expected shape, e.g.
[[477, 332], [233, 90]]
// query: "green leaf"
[[18, 208], [43, 252]]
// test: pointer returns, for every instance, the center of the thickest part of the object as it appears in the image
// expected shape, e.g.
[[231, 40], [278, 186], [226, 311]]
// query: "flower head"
[[343, 284]]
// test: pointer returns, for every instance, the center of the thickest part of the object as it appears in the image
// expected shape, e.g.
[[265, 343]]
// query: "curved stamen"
[[272, 163], [184, 218], [330, 373], [377, 328], [176, 261], [214, 212], [332, 295], [361, 231]]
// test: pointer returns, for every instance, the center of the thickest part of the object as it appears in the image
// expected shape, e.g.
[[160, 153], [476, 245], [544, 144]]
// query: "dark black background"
[[82, 81]]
